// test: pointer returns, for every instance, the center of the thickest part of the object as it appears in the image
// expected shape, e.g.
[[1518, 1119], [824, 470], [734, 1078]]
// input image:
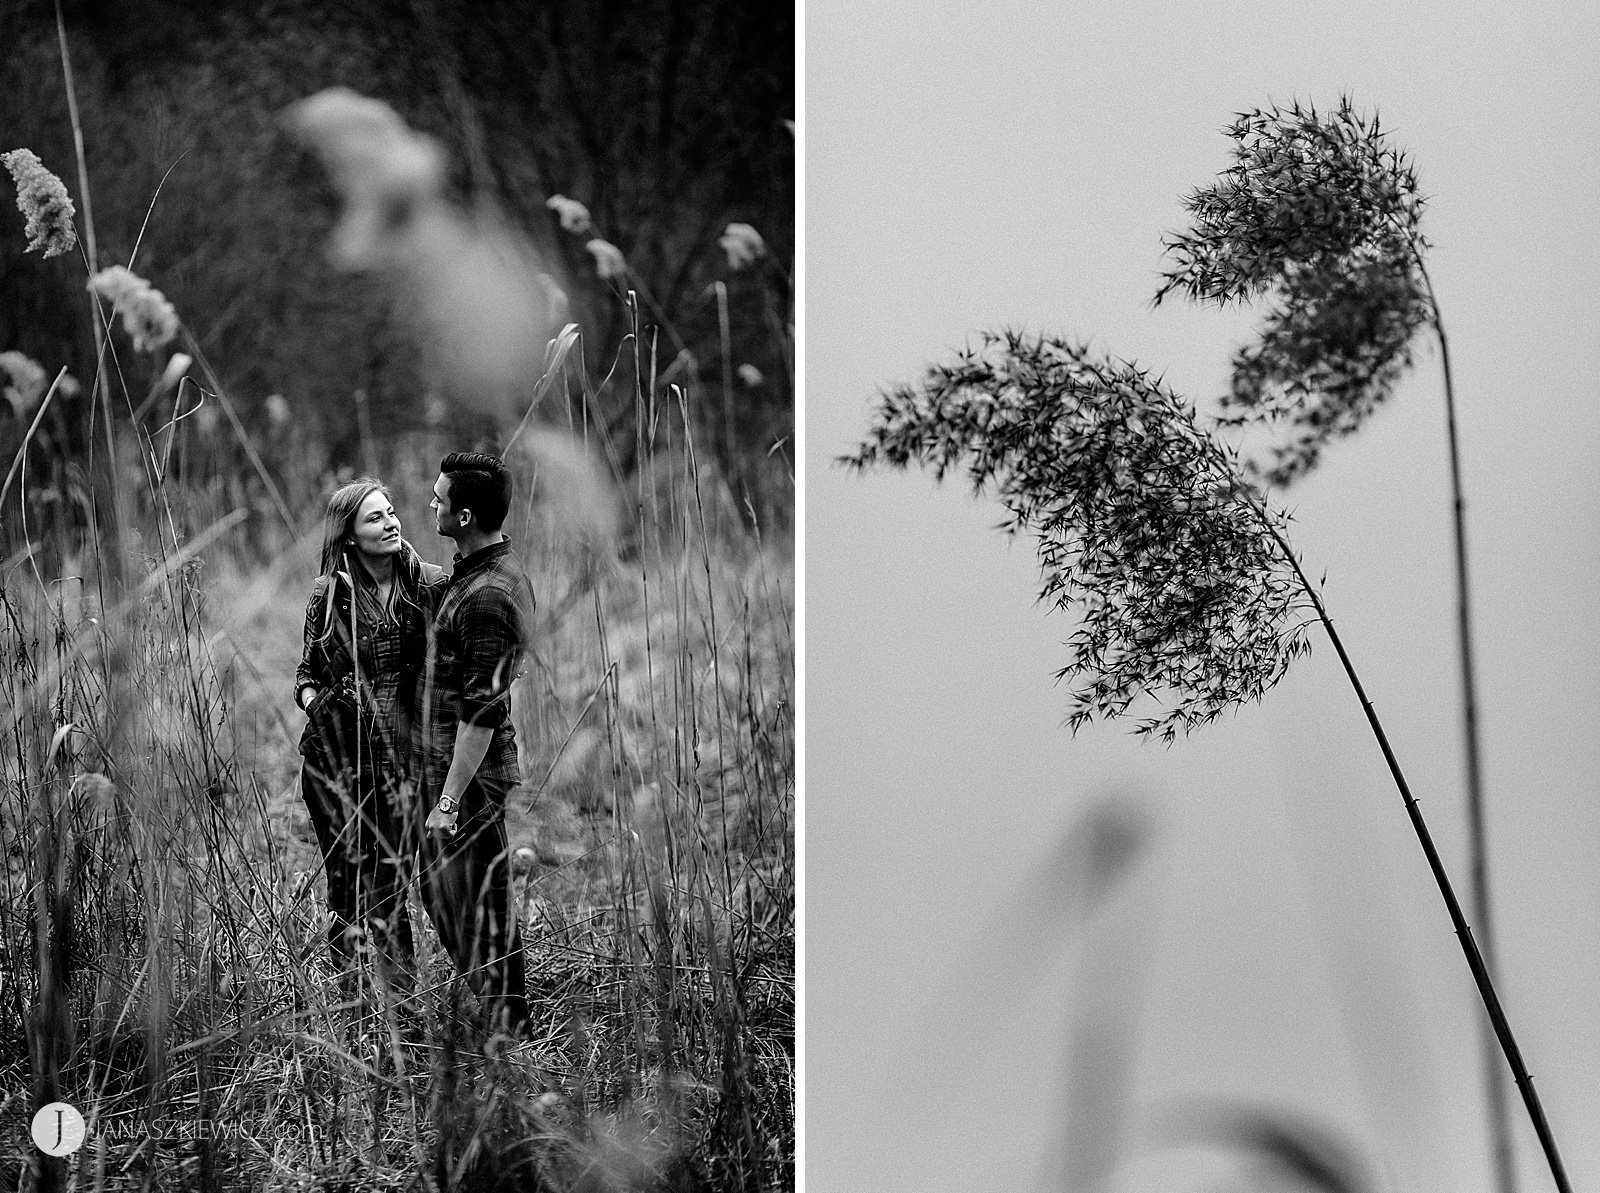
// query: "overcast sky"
[[1279, 940]]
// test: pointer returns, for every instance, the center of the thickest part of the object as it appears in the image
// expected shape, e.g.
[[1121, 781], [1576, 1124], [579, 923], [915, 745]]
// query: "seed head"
[[743, 245], [390, 176], [1144, 528], [147, 316], [23, 381], [1320, 217], [608, 259], [573, 214], [1304, 190], [1333, 346], [42, 197]]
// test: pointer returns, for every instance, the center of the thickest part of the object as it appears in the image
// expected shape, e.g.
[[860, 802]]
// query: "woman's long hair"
[[338, 562]]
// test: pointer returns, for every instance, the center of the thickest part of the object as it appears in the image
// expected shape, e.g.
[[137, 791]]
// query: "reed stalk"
[[1477, 961], [1499, 1110], [1184, 579], [1323, 216]]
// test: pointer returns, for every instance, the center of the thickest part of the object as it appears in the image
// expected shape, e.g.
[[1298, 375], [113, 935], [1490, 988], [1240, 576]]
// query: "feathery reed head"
[[1332, 348], [1143, 525], [574, 216], [1320, 216], [386, 172], [147, 316], [742, 244], [22, 381], [43, 198], [1304, 189], [474, 288], [609, 262]]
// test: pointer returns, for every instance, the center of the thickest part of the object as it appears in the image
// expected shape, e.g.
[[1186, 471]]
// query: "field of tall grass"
[[163, 963], [163, 946]]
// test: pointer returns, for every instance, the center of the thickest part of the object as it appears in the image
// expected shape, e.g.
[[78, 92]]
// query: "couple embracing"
[[409, 751]]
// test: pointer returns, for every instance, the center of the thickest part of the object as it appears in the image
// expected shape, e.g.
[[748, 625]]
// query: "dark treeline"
[[666, 118]]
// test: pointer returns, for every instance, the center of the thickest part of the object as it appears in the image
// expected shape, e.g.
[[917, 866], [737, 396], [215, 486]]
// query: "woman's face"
[[376, 528]]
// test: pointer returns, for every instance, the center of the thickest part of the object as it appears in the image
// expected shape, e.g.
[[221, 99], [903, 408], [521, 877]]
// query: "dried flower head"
[[147, 316], [1320, 216], [1303, 190], [388, 174], [573, 214], [608, 259], [43, 198], [23, 381], [1334, 345], [742, 244], [1143, 524]]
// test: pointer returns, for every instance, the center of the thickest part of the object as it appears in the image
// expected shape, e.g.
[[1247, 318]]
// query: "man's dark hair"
[[481, 483]]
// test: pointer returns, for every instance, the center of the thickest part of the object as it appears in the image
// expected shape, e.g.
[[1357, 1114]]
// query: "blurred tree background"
[[668, 119]]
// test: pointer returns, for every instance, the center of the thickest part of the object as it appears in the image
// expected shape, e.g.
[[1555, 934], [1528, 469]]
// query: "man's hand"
[[442, 822], [472, 743]]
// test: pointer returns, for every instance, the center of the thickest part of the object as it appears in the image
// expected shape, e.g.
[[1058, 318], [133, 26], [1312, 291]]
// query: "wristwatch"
[[447, 805]]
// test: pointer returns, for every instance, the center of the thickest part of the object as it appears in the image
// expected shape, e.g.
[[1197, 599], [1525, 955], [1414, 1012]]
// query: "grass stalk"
[[725, 345], [100, 391], [1499, 1111], [33, 427], [92, 254], [1476, 961]]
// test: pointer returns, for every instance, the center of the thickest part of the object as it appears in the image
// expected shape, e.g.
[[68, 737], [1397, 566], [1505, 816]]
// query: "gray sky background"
[[1015, 164]]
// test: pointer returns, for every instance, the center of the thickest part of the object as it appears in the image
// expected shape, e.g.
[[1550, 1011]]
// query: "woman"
[[365, 640]]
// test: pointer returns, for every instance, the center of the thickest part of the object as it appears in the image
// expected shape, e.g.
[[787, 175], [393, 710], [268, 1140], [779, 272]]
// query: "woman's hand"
[[341, 692]]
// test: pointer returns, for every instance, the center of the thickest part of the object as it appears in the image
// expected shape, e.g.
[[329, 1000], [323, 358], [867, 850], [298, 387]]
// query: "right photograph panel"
[[1201, 659]]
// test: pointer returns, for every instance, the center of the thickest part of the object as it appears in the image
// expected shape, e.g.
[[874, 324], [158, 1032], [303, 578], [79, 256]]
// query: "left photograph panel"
[[397, 596]]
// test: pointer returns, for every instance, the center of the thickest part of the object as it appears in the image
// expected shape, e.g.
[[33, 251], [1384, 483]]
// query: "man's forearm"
[[472, 743]]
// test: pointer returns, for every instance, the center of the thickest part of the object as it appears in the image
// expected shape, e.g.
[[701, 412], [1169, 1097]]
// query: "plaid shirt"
[[475, 651], [390, 653]]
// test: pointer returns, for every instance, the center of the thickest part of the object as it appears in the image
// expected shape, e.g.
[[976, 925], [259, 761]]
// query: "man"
[[469, 752]]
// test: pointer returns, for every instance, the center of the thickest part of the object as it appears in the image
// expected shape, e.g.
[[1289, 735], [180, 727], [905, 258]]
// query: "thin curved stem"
[[1469, 946], [1477, 838]]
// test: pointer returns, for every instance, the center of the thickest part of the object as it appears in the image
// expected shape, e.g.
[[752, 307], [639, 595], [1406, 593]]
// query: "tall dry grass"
[[162, 936], [162, 945]]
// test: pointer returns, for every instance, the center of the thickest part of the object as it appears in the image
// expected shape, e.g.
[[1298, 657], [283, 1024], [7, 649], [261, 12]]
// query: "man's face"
[[446, 519]]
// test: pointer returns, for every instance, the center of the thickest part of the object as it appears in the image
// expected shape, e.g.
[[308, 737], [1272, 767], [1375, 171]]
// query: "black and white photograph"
[[1200, 580], [696, 595], [398, 595]]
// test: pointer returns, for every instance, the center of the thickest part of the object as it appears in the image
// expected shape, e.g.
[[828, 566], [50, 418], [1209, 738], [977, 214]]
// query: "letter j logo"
[[58, 1129]]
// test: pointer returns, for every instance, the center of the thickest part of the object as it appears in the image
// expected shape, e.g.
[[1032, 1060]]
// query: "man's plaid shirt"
[[475, 650]]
